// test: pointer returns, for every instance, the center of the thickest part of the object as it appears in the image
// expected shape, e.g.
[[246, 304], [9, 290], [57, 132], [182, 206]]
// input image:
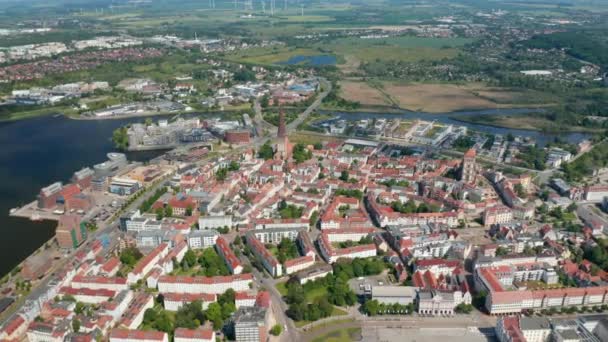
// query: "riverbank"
[[523, 122], [70, 113]]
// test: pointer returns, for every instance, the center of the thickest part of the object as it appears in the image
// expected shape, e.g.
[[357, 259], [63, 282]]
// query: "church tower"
[[282, 146], [468, 171]]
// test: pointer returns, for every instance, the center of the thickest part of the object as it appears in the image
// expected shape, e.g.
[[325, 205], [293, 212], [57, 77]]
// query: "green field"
[[337, 312], [341, 335], [282, 288], [268, 56], [349, 50]]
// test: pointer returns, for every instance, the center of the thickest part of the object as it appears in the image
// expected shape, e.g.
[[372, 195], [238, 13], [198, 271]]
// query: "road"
[[262, 125], [326, 86], [585, 212], [546, 175], [108, 227], [279, 307]]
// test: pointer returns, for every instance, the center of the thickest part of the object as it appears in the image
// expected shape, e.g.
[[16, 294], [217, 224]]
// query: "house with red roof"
[[194, 335], [110, 267], [263, 299], [126, 335], [174, 301], [14, 328], [231, 260]]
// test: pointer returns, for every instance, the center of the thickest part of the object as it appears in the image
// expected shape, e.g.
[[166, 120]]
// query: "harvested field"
[[436, 98], [362, 92]]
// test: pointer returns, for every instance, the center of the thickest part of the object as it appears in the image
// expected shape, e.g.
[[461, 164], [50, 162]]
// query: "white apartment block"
[[215, 285], [124, 335], [212, 222], [98, 283], [200, 239]]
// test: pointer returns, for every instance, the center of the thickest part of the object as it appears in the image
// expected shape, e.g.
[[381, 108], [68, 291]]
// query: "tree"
[[500, 251], [371, 307], [519, 190], [344, 176], [150, 315], [190, 258], [164, 323], [168, 211], [228, 297], [300, 153], [214, 314], [189, 211], [296, 311], [159, 213], [295, 293], [130, 256], [190, 315], [266, 152], [265, 101], [244, 75], [276, 330], [464, 308], [120, 138], [76, 325], [79, 309]]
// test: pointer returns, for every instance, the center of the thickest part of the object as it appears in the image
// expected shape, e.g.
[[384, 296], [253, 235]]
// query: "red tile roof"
[[205, 334], [137, 334], [13, 324], [206, 280], [263, 299], [87, 292], [227, 253], [143, 262], [110, 265], [189, 297]]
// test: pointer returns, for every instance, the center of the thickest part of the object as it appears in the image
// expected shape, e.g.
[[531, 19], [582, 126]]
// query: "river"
[[40, 151]]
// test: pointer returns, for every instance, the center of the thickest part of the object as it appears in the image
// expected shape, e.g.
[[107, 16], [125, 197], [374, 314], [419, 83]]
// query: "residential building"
[[199, 239], [134, 315], [71, 232], [124, 335], [223, 249], [199, 284], [269, 261], [194, 335], [214, 222], [174, 301], [250, 324]]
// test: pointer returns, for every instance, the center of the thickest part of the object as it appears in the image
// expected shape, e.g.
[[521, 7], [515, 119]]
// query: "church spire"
[[282, 131]]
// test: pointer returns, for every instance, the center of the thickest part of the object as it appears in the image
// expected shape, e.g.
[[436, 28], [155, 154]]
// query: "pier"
[[32, 212]]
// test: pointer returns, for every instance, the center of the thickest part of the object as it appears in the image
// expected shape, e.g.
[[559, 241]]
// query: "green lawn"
[[310, 295], [337, 312], [282, 288], [404, 48], [315, 293], [341, 335], [269, 56]]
